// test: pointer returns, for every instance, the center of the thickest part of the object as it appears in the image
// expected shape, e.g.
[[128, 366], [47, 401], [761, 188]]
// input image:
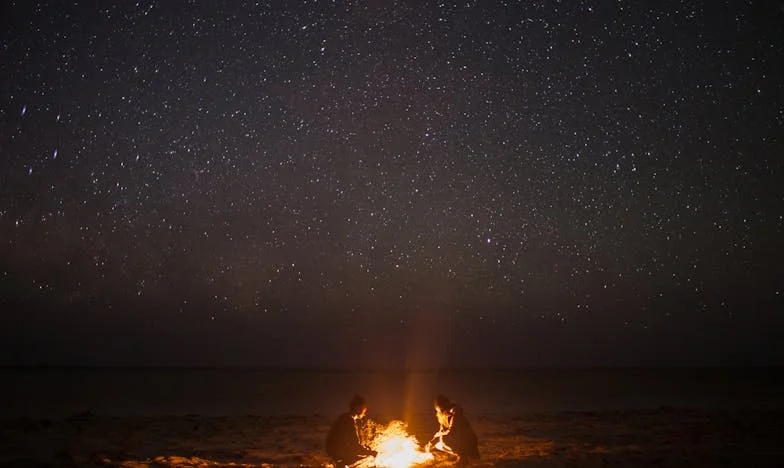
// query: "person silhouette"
[[455, 434], [344, 445]]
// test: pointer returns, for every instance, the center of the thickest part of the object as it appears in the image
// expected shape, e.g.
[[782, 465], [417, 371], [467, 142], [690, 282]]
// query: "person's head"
[[358, 407], [443, 409], [442, 403]]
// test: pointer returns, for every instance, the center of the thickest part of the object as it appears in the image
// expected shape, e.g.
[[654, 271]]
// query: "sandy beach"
[[664, 437]]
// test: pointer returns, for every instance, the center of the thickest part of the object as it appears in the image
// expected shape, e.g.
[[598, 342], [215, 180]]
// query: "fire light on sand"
[[396, 448]]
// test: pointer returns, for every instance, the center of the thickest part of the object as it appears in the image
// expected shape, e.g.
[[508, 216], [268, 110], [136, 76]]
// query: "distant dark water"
[[61, 392]]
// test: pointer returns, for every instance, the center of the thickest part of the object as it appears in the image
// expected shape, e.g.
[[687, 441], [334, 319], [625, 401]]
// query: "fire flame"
[[397, 448]]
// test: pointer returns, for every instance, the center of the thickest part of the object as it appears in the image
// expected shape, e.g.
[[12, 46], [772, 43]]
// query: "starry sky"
[[387, 183]]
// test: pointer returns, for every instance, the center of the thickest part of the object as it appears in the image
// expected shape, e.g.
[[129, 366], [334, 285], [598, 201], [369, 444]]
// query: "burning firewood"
[[395, 448]]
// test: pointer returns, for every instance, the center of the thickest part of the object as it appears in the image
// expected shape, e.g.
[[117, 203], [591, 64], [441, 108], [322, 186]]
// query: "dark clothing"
[[461, 438], [343, 444]]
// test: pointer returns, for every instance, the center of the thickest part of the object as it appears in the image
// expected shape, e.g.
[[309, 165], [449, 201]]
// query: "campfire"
[[396, 448]]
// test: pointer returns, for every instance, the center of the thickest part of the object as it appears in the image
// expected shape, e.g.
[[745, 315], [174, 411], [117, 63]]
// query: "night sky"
[[392, 183]]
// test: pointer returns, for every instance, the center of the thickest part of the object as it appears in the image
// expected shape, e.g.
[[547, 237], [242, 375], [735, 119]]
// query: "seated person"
[[344, 445], [455, 434]]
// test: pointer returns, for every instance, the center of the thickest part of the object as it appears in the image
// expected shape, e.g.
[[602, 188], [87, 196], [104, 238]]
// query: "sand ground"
[[666, 437]]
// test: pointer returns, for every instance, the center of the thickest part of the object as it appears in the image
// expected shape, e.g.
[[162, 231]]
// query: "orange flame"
[[397, 448]]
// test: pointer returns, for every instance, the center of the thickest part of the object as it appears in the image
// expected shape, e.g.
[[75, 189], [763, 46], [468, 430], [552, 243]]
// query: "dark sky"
[[390, 183]]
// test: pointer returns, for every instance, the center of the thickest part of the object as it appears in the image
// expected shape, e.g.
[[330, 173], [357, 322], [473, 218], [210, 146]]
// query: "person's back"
[[461, 437], [343, 445]]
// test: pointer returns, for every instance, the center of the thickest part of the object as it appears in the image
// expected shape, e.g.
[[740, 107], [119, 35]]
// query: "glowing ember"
[[396, 448]]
